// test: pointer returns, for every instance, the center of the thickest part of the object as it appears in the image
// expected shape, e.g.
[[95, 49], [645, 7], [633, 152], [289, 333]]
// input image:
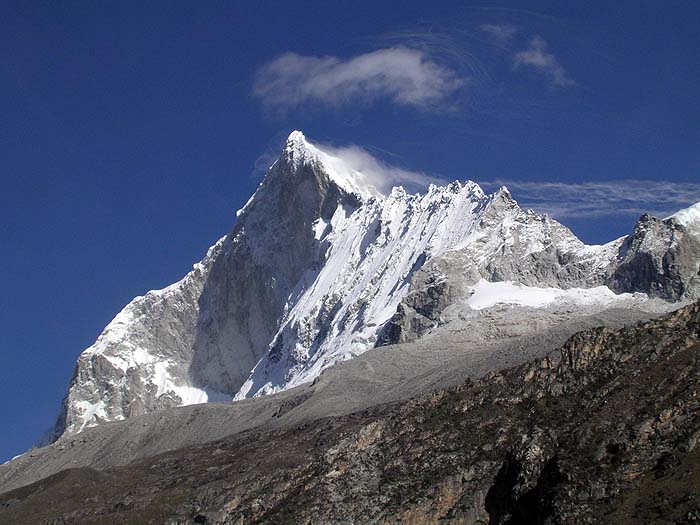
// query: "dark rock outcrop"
[[603, 431], [661, 258]]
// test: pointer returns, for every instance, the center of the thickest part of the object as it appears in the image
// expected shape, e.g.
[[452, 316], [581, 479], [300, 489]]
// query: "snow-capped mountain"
[[321, 267]]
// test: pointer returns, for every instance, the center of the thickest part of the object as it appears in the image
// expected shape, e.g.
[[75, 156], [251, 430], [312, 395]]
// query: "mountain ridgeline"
[[321, 267]]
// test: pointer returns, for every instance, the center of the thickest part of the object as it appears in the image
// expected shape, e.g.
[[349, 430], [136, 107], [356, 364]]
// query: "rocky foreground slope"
[[604, 430], [320, 267], [495, 338]]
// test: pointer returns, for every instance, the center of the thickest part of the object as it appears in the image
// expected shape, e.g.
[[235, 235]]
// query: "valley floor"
[[603, 430]]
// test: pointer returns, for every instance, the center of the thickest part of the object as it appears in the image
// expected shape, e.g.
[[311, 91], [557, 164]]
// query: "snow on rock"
[[139, 361], [690, 218], [318, 268], [487, 294], [299, 152], [370, 255]]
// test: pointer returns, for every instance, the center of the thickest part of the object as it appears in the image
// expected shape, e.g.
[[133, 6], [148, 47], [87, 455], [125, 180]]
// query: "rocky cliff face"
[[267, 260], [605, 430], [320, 267], [661, 257], [138, 363]]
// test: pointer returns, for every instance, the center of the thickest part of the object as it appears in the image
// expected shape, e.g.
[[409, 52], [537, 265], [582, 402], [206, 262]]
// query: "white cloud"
[[537, 56], [376, 172], [602, 199], [407, 77], [264, 162], [502, 33]]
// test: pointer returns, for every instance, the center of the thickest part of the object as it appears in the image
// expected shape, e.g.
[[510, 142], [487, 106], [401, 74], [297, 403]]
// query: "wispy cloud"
[[602, 199], [376, 172], [502, 33], [264, 162], [407, 77], [537, 56]]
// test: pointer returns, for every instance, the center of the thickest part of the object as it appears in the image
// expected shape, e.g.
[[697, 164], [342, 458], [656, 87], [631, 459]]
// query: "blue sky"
[[132, 132]]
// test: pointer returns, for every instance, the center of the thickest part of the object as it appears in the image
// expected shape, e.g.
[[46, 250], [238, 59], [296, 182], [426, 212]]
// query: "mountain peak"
[[504, 192], [299, 152], [296, 136]]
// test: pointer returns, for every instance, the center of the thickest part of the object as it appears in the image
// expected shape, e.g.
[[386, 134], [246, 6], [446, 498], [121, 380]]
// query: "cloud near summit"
[[406, 77], [564, 200], [378, 173]]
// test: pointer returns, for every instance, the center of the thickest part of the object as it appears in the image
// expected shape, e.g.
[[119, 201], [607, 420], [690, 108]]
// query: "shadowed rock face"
[[271, 247], [661, 258], [605, 430]]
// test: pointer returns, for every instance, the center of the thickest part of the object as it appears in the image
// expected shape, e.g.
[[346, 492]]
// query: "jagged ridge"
[[321, 267]]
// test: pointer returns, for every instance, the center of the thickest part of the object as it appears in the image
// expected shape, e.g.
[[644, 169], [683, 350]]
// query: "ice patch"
[[91, 412], [320, 227], [486, 294]]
